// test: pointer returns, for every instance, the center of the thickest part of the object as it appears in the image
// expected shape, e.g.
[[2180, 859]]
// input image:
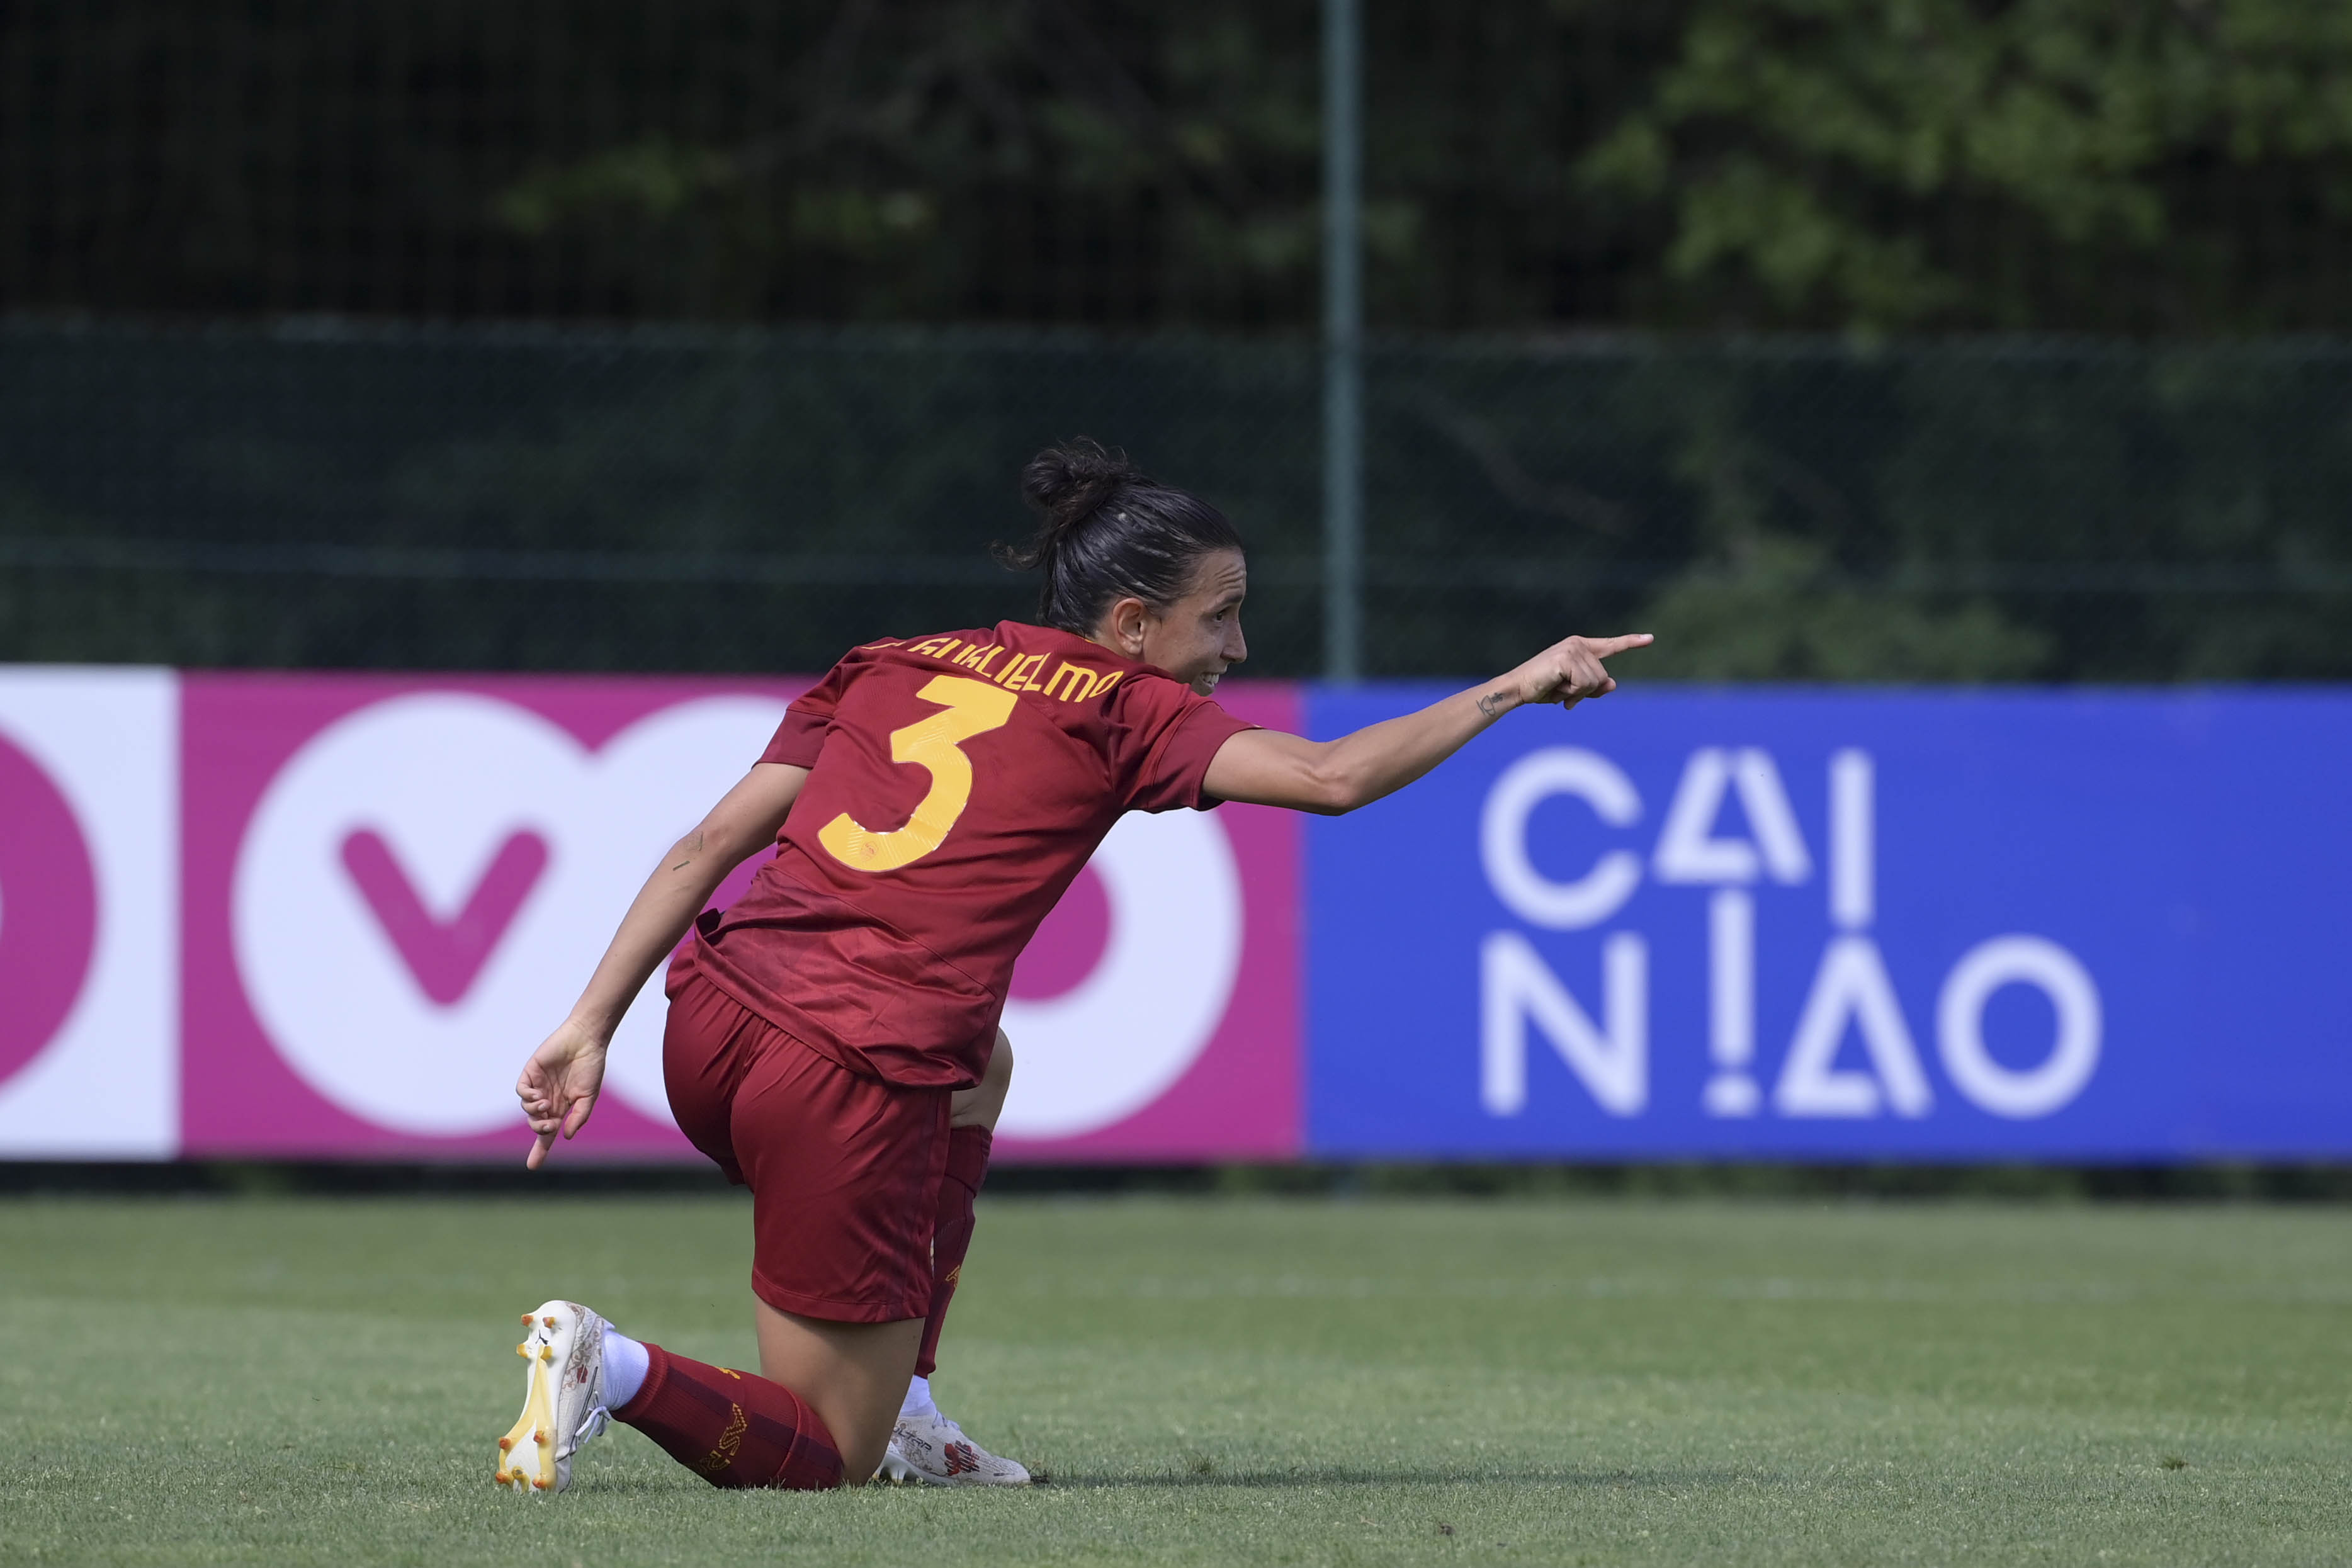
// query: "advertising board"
[[89, 1056], [1839, 925], [326, 916], [394, 887]]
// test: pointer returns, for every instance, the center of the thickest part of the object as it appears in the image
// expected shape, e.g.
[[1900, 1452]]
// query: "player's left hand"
[[559, 1086]]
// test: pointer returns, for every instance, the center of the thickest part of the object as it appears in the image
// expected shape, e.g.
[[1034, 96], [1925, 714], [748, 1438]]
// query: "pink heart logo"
[[1104, 1022], [1069, 946], [48, 909], [444, 956], [407, 929]]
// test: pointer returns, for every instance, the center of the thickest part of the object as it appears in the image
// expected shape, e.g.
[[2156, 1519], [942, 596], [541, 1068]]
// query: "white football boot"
[[563, 1397], [932, 1451]]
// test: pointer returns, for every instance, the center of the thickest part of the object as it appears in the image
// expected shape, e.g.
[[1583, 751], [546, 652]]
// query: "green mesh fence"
[[537, 498]]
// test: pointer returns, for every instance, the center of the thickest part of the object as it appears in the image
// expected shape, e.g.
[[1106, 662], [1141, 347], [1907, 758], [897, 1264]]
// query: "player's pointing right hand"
[[1572, 671]]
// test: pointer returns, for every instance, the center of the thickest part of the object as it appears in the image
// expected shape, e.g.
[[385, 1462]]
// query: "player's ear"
[[1128, 617]]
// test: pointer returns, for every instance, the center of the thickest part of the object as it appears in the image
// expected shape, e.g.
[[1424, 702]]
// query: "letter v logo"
[[445, 954]]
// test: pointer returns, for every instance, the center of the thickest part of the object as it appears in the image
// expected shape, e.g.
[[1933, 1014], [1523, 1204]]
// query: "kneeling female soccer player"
[[831, 1040]]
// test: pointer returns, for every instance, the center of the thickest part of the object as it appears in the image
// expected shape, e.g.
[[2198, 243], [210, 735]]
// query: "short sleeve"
[[1171, 735], [800, 738]]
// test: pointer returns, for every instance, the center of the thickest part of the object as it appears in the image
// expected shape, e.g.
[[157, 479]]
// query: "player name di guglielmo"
[[1069, 682]]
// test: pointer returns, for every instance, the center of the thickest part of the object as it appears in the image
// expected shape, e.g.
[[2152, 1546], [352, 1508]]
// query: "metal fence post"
[[1343, 321]]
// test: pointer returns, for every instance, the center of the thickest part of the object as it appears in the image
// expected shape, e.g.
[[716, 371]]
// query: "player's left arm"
[[1269, 767], [559, 1082]]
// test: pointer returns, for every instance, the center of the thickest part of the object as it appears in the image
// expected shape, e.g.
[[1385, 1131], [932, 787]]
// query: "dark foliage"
[[2107, 165]]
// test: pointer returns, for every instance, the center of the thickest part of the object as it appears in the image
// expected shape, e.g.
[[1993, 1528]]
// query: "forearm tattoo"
[[1491, 704]]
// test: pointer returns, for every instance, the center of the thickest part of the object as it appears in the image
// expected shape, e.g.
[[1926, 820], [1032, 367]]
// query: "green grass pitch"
[[1245, 1380]]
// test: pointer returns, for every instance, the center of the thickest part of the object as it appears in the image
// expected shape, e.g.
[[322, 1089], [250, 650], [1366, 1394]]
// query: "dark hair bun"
[[1148, 545], [1067, 483]]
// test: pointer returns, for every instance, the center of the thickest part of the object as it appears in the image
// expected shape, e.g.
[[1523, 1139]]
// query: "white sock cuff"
[[919, 1398], [625, 1365]]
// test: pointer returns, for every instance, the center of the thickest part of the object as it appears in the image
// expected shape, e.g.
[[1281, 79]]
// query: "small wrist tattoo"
[[1491, 704]]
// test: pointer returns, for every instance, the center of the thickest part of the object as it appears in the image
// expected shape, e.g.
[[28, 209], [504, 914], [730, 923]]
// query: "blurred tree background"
[[2134, 166], [2039, 391]]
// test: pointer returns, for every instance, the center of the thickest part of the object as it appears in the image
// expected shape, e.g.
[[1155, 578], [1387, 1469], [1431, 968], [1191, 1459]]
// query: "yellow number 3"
[[935, 745]]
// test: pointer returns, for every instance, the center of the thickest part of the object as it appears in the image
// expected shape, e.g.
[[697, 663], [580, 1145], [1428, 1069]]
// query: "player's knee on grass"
[[853, 1375]]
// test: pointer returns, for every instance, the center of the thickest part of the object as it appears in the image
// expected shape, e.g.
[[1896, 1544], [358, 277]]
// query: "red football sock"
[[732, 1429], [951, 1231]]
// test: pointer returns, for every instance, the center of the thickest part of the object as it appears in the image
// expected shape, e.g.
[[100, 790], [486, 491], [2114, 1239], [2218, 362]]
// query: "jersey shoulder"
[[1137, 735]]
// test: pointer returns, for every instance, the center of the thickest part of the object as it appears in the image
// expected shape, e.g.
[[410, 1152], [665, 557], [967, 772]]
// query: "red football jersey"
[[958, 785]]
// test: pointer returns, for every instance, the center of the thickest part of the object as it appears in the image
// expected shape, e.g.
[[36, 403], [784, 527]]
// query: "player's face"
[[1199, 637]]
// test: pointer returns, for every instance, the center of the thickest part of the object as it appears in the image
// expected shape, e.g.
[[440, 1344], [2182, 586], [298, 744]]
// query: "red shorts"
[[844, 1170]]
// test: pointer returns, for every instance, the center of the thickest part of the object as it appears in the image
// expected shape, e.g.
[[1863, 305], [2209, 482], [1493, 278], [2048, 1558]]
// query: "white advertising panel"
[[89, 913]]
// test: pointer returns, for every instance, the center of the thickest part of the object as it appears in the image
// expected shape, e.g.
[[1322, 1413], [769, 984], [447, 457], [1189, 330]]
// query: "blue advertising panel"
[[1816, 925]]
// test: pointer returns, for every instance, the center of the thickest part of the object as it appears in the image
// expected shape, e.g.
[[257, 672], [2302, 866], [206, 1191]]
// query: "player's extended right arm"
[[1268, 767], [559, 1082]]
